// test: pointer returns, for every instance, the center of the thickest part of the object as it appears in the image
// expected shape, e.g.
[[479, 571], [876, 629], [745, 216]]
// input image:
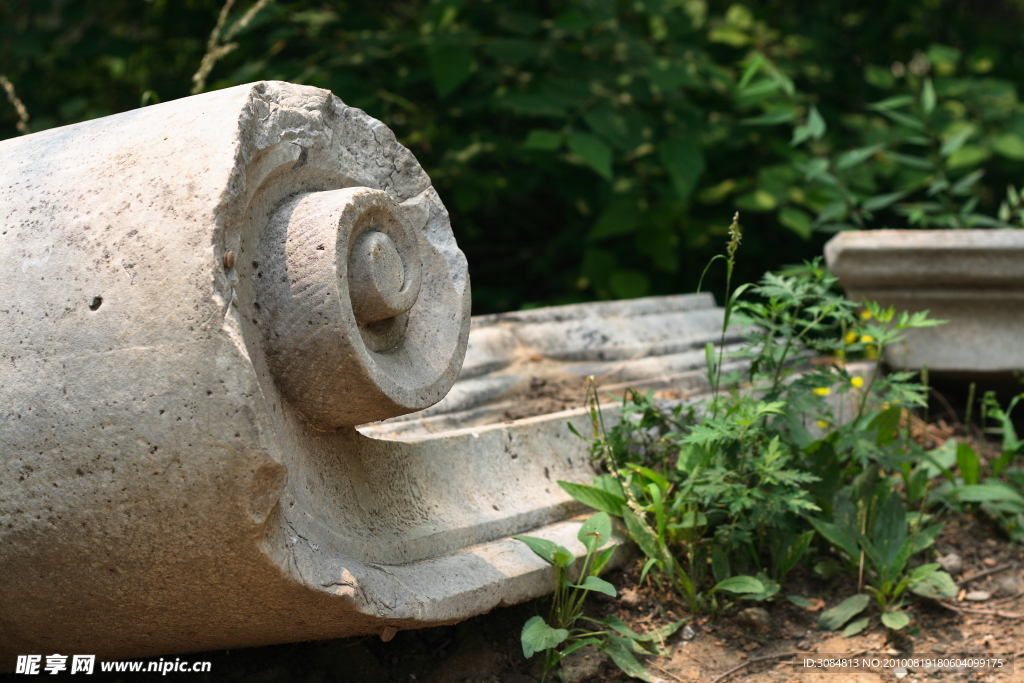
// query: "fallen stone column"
[[201, 299]]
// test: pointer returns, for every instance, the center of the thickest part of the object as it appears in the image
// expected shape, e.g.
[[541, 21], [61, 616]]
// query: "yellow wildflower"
[[823, 424], [871, 353], [858, 382], [867, 339], [822, 391], [865, 315], [851, 337]]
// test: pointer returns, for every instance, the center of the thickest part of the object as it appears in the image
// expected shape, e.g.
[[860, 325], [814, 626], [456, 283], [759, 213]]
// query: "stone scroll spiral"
[[340, 284]]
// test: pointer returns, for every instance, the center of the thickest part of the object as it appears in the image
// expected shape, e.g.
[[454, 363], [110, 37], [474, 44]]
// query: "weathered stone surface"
[[654, 343], [173, 480], [972, 278]]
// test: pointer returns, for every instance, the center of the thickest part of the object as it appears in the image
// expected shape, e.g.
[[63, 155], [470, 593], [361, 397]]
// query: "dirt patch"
[[544, 395]]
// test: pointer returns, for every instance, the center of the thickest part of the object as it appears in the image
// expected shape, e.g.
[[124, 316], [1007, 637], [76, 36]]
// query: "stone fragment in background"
[[972, 278], [952, 563]]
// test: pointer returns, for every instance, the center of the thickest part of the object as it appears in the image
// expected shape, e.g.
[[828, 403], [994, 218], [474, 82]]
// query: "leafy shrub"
[[588, 148]]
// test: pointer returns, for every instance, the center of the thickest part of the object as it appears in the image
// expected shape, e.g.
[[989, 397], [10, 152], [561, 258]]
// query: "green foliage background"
[[593, 148]]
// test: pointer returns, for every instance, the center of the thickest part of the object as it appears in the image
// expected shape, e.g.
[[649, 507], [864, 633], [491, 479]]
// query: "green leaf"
[[619, 626], [794, 553], [662, 632], [797, 220], [887, 423], [926, 536], [905, 120], [659, 480], [739, 584], [728, 35], [771, 588], [968, 155], [890, 532], [685, 165], [577, 644], [605, 121], [918, 163], [596, 531], [891, 103], [593, 583], [1009, 145], [833, 619], [813, 128], [532, 105], [937, 585], [538, 636], [596, 154], [928, 96], [641, 534], [651, 562], [619, 652], [621, 217], [837, 537], [629, 284], [879, 76], [800, 601], [987, 493], [599, 499], [603, 558], [773, 118], [450, 65], [895, 620], [757, 201], [752, 70], [856, 627], [957, 140], [968, 463], [544, 140], [547, 550], [857, 156], [883, 200]]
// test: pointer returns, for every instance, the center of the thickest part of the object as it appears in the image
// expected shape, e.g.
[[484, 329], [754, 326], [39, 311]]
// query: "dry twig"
[[755, 660], [217, 47], [18, 105], [990, 612], [667, 673], [1004, 600], [967, 579]]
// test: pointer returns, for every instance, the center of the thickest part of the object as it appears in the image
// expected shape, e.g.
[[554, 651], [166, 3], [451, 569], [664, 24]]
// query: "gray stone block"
[[972, 278]]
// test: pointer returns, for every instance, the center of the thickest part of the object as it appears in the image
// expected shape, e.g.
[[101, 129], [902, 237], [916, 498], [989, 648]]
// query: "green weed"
[[561, 633]]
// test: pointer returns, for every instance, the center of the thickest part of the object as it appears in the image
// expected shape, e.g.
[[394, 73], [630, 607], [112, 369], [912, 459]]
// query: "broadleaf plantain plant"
[[561, 633]]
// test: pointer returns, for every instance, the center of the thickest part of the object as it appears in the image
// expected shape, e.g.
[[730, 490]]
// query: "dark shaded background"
[[586, 149]]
